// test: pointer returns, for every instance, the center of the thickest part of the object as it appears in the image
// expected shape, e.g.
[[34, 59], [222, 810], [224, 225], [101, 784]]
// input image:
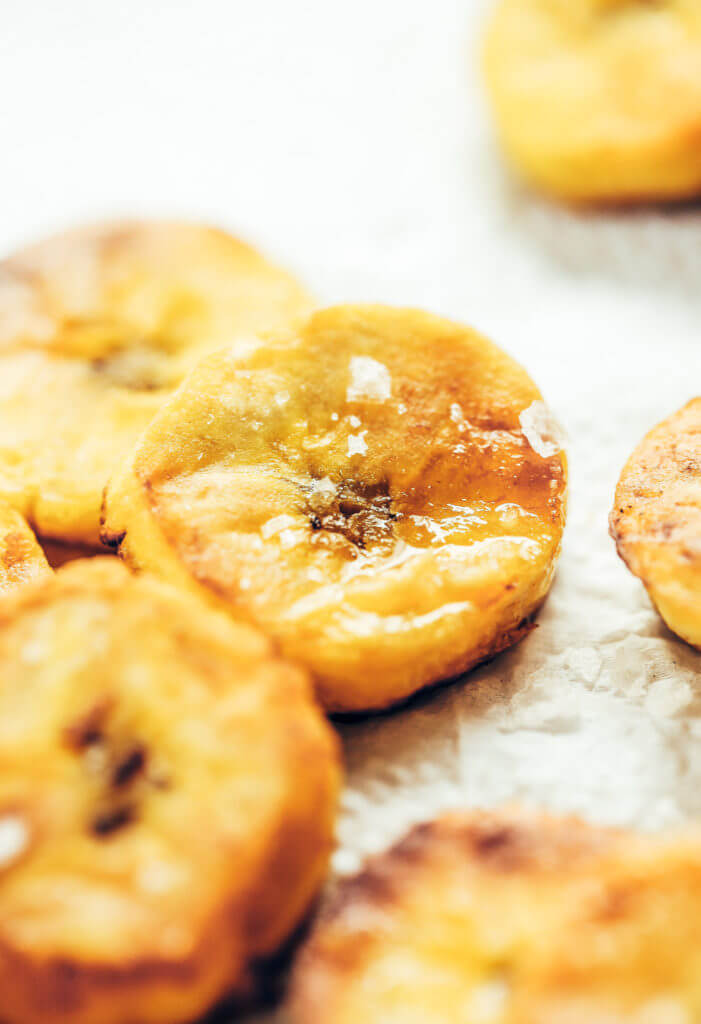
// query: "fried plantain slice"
[[511, 918], [656, 519], [378, 492], [97, 326], [21, 557], [167, 792], [599, 100]]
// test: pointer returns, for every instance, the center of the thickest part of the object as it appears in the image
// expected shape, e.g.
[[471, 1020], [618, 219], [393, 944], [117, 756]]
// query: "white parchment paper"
[[351, 141]]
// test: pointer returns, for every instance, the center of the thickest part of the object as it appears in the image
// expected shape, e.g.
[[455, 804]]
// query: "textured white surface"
[[350, 141]]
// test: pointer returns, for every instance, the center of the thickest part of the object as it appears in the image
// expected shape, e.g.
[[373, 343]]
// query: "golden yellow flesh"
[[599, 100], [21, 557], [167, 792], [97, 327], [364, 490], [656, 519], [511, 918]]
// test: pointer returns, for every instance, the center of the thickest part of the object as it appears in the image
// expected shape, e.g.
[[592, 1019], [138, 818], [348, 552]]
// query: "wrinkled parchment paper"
[[352, 143]]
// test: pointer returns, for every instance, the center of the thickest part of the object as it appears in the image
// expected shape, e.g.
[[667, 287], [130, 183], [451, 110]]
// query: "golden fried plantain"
[[656, 519], [511, 918], [599, 100], [167, 792], [378, 492], [21, 557], [97, 326]]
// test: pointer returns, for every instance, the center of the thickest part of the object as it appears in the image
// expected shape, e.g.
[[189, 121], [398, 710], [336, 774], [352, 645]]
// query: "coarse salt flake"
[[541, 430], [370, 381], [356, 444]]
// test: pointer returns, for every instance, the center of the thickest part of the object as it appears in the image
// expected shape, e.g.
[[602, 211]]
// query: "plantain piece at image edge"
[[21, 557], [510, 917], [656, 519], [167, 800], [97, 327], [599, 101]]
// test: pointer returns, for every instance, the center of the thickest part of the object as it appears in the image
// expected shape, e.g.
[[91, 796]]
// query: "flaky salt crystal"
[[356, 443], [541, 430], [370, 381]]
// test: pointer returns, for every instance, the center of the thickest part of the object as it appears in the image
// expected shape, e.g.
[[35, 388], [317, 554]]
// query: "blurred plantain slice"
[[380, 492], [21, 557], [656, 519], [599, 100], [97, 326], [511, 918], [167, 792]]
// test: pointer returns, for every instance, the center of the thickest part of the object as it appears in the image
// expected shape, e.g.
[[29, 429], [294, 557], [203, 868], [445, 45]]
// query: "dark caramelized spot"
[[128, 766], [491, 841], [88, 729], [358, 513], [113, 540], [112, 820]]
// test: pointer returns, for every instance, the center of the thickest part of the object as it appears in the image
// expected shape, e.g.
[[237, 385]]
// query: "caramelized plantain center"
[[352, 513]]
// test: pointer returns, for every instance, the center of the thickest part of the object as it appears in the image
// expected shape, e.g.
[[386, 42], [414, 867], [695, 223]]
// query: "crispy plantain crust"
[[656, 519], [599, 100], [167, 793], [379, 492], [97, 326], [21, 557], [511, 918]]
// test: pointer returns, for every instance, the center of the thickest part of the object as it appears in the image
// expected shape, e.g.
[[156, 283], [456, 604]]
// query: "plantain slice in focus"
[[381, 492], [21, 557], [656, 519], [167, 792], [511, 918], [599, 100], [97, 326]]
